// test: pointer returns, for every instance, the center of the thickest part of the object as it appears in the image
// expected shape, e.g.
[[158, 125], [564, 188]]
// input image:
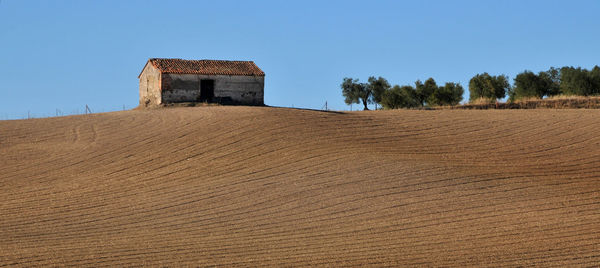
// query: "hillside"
[[245, 186]]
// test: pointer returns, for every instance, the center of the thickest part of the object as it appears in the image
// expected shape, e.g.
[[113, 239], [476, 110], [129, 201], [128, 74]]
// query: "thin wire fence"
[[59, 113]]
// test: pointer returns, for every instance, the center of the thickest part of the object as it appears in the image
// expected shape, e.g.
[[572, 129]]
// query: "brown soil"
[[247, 186]]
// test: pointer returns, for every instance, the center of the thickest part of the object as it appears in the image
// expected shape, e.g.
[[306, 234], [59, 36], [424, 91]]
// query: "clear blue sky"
[[65, 54]]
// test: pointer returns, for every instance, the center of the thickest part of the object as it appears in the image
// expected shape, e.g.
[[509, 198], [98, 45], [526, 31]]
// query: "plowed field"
[[248, 186]]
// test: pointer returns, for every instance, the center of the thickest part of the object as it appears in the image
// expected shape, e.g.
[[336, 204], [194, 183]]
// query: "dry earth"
[[248, 186]]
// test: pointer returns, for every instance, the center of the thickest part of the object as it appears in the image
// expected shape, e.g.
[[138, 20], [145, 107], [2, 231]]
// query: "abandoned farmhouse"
[[164, 81]]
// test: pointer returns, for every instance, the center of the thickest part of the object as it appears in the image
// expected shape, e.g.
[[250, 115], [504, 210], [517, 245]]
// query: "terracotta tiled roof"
[[208, 67]]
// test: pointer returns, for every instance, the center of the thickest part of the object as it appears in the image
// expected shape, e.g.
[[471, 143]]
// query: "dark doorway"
[[207, 90]]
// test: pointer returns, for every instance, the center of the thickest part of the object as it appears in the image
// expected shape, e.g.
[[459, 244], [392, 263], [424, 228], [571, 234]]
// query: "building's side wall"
[[150, 86], [247, 90]]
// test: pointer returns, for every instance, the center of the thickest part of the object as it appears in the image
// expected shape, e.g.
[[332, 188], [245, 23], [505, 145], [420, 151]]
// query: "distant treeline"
[[482, 88]]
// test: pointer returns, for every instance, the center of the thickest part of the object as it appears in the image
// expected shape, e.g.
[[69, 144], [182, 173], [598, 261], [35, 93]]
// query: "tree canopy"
[[566, 81], [449, 94], [425, 90], [488, 87], [577, 81], [355, 92], [399, 97], [378, 91], [378, 86], [365, 93], [527, 84]]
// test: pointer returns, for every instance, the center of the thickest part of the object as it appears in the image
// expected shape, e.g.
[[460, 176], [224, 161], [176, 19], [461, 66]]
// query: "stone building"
[[165, 81]]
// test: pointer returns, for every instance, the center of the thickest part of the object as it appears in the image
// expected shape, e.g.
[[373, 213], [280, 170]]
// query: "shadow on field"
[[307, 109]]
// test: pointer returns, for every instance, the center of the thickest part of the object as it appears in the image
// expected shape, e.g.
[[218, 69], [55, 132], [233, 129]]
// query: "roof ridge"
[[199, 59]]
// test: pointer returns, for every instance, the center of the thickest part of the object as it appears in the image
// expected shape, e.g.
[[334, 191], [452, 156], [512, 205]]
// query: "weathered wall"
[[247, 90], [150, 86]]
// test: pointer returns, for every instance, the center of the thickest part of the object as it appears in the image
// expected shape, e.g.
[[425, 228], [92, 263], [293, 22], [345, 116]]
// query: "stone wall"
[[247, 90], [150, 86]]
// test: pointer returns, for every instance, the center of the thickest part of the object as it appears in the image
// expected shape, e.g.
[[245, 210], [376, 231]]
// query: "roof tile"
[[207, 67]]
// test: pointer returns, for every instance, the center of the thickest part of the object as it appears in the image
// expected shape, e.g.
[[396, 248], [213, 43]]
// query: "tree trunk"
[[365, 104]]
